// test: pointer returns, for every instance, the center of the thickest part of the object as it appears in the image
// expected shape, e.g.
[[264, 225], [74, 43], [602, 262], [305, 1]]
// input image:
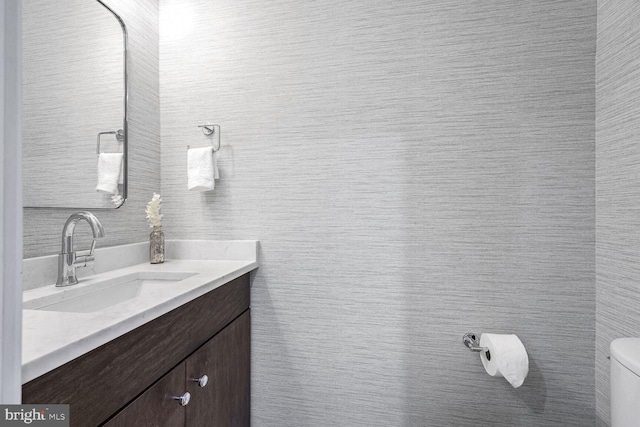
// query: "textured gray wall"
[[43, 227], [618, 196], [414, 170]]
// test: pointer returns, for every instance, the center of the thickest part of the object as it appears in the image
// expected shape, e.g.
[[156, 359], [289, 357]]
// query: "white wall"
[[414, 170], [10, 205]]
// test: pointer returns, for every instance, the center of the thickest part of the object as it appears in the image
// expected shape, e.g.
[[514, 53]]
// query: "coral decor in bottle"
[[156, 238]]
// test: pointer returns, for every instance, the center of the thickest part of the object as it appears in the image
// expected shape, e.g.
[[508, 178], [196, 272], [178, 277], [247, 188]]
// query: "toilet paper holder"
[[472, 343]]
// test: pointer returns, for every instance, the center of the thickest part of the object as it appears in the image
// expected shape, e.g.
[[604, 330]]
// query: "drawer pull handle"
[[184, 399], [202, 381]]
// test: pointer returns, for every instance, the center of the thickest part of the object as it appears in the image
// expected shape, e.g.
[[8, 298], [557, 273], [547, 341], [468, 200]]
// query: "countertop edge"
[[41, 365]]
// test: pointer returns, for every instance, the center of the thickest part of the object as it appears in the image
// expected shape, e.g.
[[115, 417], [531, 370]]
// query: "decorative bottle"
[[156, 238], [156, 245]]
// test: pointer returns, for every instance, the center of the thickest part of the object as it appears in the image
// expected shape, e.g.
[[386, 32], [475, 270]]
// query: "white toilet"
[[625, 382]]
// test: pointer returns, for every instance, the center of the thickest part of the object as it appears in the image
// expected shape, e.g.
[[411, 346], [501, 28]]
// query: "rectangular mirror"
[[74, 105]]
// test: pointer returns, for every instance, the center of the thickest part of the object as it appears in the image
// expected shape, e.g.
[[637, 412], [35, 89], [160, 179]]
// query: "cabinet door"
[[225, 359], [156, 406]]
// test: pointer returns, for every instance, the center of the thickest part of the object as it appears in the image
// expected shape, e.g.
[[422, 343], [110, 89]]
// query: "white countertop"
[[53, 338]]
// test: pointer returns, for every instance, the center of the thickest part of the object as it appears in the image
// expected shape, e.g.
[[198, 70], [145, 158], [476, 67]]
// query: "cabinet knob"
[[184, 399], [202, 381]]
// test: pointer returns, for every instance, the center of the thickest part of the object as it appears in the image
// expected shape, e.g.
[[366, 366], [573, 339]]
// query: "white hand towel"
[[109, 172], [201, 169]]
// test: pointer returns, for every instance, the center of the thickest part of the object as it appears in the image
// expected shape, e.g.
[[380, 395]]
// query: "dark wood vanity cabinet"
[[216, 377], [225, 360], [135, 380]]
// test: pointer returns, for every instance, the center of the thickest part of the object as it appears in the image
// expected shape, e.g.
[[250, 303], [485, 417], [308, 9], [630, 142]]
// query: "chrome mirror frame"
[[125, 125]]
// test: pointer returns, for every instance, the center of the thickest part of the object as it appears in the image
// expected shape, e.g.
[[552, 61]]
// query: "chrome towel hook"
[[209, 130]]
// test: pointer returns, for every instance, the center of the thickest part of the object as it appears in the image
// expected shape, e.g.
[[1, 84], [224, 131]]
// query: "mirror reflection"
[[74, 105]]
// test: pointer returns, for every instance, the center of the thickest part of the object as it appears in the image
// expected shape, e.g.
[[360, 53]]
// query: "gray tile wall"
[[43, 227], [414, 170], [618, 183]]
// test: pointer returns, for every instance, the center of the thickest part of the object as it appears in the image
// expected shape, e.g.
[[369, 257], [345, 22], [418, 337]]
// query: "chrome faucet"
[[69, 259]]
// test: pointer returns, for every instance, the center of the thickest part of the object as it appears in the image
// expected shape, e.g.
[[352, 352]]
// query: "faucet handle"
[[83, 260], [87, 252], [85, 257]]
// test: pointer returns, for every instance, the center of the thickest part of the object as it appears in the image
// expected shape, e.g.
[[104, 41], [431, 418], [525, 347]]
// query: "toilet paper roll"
[[508, 357]]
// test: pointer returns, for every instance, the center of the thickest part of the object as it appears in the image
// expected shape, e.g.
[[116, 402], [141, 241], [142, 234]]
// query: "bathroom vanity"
[[177, 356]]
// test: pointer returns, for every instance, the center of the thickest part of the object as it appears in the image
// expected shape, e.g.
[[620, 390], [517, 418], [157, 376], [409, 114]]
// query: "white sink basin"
[[102, 294]]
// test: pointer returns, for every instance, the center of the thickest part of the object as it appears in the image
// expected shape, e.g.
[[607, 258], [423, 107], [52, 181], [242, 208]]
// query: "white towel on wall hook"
[[201, 169]]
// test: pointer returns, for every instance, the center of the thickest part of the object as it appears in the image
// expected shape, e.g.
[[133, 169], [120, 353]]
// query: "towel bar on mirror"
[[119, 136]]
